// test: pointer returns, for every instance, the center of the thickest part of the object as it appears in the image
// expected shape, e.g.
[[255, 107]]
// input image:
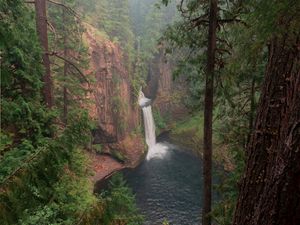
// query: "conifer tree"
[[42, 30], [269, 187], [37, 168], [69, 56], [208, 111]]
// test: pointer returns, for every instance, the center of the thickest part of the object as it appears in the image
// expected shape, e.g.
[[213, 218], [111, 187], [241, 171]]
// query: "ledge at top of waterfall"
[[143, 101]]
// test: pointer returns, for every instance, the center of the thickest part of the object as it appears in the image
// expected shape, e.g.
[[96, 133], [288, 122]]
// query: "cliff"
[[171, 92], [168, 93], [111, 106]]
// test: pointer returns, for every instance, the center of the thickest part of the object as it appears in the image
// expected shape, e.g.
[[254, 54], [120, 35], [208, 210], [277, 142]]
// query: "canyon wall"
[[114, 109], [111, 103], [167, 93], [112, 106]]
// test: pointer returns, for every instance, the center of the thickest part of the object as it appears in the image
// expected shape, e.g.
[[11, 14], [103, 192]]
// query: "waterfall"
[[155, 150], [149, 125]]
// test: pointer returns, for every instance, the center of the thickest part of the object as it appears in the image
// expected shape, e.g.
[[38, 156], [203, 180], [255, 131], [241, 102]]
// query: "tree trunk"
[[41, 25], [252, 108], [270, 189], [208, 113], [65, 93], [66, 65]]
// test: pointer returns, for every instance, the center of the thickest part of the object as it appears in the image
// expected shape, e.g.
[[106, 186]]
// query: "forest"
[[150, 112]]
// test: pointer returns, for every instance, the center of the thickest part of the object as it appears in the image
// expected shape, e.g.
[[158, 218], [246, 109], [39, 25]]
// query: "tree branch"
[[233, 20], [201, 22], [29, 159], [223, 50], [54, 32], [72, 64], [224, 41], [66, 7]]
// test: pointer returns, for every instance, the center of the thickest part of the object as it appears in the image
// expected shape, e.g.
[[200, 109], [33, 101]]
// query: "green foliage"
[[97, 148], [241, 58], [67, 41], [160, 122], [114, 206], [118, 155], [192, 125], [5, 141], [19, 51], [165, 222], [43, 170], [223, 210], [25, 123], [266, 16], [186, 46], [52, 184], [21, 110], [120, 204]]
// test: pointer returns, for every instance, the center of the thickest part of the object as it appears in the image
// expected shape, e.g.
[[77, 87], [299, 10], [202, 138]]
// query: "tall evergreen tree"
[[42, 27], [208, 111], [69, 56], [39, 172], [190, 35], [269, 188]]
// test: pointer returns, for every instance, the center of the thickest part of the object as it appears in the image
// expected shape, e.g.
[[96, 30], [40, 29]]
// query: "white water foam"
[[159, 151]]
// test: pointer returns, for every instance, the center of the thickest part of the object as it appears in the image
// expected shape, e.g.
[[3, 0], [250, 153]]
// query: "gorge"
[[149, 112], [114, 100], [160, 195], [164, 189]]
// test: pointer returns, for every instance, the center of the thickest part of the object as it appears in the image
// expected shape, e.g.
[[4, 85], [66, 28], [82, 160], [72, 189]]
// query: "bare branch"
[[233, 20], [223, 50], [66, 7], [224, 41], [201, 22], [54, 32], [72, 64]]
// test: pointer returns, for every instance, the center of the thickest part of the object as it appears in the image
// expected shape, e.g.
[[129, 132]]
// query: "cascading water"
[[145, 103], [156, 150]]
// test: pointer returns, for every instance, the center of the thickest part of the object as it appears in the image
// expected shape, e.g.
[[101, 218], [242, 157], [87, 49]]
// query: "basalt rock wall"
[[167, 93], [111, 103]]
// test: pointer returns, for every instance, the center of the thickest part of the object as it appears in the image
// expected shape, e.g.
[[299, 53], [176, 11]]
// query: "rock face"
[[167, 92], [111, 102], [112, 106]]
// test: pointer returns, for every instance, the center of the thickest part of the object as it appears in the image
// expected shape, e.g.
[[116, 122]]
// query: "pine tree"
[[42, 30], [70, 57], [208, 111], [121, 208]]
